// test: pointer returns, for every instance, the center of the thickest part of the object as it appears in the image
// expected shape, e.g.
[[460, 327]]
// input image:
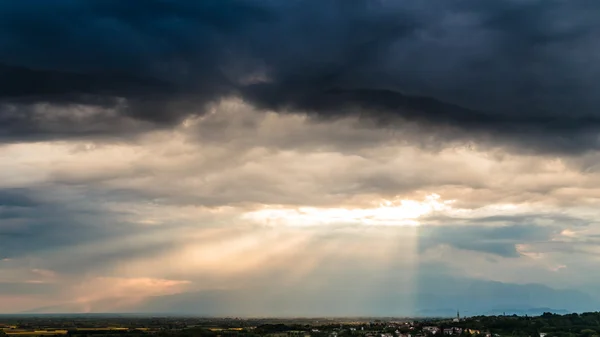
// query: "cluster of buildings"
[[449, 331], [430, 330], [440, 328]]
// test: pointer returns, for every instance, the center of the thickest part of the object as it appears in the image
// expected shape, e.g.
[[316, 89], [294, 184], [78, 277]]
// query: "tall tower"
[[457, 315]]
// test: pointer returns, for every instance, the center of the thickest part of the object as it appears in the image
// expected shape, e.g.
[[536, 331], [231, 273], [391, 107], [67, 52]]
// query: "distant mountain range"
[[474, 297], [434, 297], [449, 312]]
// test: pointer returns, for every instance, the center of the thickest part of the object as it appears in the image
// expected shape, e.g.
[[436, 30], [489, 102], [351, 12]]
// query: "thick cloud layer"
[[240, 205], [516, 71]]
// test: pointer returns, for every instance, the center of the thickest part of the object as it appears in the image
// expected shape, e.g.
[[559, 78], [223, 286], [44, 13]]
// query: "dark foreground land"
[[546, 325]]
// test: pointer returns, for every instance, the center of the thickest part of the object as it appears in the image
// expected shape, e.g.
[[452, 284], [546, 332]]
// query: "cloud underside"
[[208, 156], [515, 73]]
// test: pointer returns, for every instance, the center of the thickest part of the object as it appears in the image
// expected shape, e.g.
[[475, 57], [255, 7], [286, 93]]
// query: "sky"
[[299, 158]]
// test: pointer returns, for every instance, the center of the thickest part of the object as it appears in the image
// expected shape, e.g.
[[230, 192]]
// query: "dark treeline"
[[548, 325]]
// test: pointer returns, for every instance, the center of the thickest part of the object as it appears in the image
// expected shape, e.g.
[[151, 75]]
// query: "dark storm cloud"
[[522, 71], [149, 60]]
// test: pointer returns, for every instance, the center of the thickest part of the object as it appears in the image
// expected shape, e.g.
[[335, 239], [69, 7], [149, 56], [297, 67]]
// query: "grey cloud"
[[556, 220], [496, 240], [55, 221], [23, 288], [15, 197], [523, 73]]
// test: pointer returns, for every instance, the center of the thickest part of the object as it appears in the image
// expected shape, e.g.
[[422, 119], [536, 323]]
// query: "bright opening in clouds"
[[228, 158], [386, 213]]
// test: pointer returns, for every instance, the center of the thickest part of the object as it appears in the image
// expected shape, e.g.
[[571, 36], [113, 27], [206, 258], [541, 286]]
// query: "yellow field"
[[36, 333], [230, 329], [11, 332], [101, 329]]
